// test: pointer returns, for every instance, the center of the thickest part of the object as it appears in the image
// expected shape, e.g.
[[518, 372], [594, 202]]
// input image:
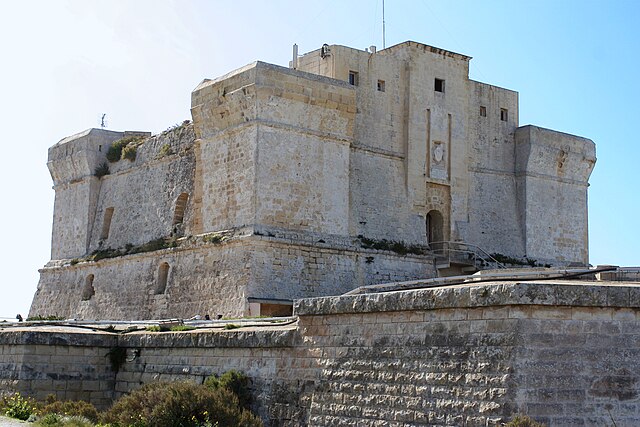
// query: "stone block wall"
[[565, 353], [71, 366]]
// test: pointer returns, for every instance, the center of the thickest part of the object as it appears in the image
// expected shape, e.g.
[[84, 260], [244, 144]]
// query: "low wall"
[[564, 353]]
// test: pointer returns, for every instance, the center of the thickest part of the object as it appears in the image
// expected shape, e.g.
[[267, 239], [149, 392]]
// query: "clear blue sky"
[[574, 63]]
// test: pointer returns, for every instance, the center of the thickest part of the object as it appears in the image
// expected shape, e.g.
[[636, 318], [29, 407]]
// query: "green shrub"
[[181, 328], [17, 406], [523, 421], [102, 170], [116, 150], [154, 328], [37, 318], [234, 381], [182, 404], [165, 150], [213, 238], [117, 356], [129, 152], [71, 408], [400, 248], [56, 420], [232, 326]]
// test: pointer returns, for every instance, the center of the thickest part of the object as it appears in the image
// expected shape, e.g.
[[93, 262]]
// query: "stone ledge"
[[556, 293], [276, 338], [53, 337]]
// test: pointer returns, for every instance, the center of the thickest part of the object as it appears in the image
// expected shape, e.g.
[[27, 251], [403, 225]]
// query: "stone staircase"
[[460, 258]]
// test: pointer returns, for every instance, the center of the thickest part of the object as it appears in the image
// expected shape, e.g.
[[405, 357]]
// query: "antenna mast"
[[384, 44]]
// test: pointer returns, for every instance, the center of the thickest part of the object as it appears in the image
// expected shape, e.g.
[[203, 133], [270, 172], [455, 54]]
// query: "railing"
[[464, 253]]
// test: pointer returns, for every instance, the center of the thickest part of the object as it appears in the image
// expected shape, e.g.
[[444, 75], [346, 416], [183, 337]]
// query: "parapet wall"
[[564, 353]]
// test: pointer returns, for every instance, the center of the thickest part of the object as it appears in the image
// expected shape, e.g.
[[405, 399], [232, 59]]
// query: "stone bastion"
[[564, 352]]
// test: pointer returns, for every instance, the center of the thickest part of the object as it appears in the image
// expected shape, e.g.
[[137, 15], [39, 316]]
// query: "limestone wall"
[[494, 223], [50, 361], [205, 279], [564, 353], [552, 171], [143, 193]]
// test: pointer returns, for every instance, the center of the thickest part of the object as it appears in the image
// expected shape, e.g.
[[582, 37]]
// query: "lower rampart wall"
[[563, 353]]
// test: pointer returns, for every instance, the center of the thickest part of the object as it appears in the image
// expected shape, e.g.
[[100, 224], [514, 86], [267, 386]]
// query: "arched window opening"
[[163, 275], [435, 227], [106, 224], [181, 205], [88, 291]]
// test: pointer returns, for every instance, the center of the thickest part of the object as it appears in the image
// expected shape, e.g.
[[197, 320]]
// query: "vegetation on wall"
[[177, 126], [117, 356], [523, 421], [124, 148], [165, 150], [37, 318], [400, 248], [150, 246], [102, 170], [505, 259]]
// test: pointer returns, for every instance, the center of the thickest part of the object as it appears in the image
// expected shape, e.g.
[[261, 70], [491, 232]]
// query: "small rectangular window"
[[483, 111], [504, 114], [439, 85], [353, 78], [380, 85]]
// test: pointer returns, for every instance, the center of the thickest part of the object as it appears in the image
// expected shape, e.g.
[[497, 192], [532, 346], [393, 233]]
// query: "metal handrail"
[[475, 251]]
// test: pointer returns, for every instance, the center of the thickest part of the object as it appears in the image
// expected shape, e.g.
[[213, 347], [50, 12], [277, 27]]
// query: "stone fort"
[[348, 168], [329, 183]]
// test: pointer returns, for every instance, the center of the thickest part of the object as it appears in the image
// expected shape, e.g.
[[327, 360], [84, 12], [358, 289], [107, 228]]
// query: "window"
[[353, 78], [504, 114], [106, 224], [380, 85], [181, 205], [88, 291], [163, 275], [439, 85], [483, 111]]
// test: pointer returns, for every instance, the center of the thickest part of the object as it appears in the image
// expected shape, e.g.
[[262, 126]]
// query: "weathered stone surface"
[[304, 164], [422, 357]]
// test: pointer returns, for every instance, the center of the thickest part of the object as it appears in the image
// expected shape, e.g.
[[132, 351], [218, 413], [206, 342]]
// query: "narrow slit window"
[[88, 291], [163, 275], [380, 85], [439, 85], [483, 111], [353, 78], [504, 114], [106, 223], [181, 206]]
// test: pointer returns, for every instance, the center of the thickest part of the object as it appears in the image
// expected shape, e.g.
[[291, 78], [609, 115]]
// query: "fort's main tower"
[[343, 170]]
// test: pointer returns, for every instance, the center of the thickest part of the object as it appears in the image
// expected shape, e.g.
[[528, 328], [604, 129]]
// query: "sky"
[[65, 63]]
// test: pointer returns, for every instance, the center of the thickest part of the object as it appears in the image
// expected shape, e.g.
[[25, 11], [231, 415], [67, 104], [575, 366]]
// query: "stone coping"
[[276, 337], [549, 293], [36, 335]]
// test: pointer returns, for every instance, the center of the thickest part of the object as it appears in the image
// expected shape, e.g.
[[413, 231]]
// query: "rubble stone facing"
[[565, 353]]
